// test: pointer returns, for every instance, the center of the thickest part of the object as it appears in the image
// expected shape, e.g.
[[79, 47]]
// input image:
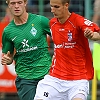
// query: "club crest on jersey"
[[69, 36], [33, 31]]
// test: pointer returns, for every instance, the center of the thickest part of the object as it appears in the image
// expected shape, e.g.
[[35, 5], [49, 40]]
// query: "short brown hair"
[[65, 1], [7, 1]]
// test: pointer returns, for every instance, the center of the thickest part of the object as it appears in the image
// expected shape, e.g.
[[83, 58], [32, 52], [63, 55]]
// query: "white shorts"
[[51, 88]]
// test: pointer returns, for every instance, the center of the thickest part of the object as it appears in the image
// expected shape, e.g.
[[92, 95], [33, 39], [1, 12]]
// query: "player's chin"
[[56, 16]]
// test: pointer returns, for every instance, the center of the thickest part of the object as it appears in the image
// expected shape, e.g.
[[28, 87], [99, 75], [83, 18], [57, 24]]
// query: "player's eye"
[[12, 3], [20, 2], [56, 6]]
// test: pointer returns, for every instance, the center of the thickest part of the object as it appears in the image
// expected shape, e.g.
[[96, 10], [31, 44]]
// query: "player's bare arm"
[[7, 59], [91, 35]]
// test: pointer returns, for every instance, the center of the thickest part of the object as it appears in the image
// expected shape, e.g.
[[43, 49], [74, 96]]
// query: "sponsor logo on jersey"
[[61, 29], [28, 49], [88, 22], [25, 43], [65, 45]]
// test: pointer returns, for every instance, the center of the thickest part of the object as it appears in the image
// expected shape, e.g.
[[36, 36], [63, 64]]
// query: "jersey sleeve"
[[83, 23], [45, 25], [7, 44]]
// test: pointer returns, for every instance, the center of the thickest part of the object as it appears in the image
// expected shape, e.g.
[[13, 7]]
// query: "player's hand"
[[88, 33], [7, 59]]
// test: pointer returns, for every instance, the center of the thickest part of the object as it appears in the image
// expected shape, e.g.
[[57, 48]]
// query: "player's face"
[[58, 9], [17, 7]]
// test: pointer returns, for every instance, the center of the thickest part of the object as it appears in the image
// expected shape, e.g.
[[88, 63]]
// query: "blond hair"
[[7, 1]]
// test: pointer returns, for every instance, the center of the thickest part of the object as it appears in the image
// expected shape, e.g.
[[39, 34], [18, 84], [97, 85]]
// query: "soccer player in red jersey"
[[72, 65]]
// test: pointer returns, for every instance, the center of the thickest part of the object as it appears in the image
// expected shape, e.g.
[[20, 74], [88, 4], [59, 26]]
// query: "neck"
[[19, 20], [63, 20]]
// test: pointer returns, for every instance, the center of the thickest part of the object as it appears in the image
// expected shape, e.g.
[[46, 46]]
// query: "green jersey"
[[32, 58]]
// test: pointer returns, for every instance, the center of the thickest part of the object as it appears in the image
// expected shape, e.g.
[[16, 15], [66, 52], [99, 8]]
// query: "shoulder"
[[9, 26], [38, 16], [52, 21], [76, 16], [76, 19]]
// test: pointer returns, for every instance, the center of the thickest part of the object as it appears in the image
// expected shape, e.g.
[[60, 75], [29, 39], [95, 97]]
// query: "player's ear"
[[26, 2], [67, 5]]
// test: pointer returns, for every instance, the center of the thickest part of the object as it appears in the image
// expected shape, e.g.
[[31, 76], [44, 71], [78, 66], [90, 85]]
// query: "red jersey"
[[2, 26], [73, 58]]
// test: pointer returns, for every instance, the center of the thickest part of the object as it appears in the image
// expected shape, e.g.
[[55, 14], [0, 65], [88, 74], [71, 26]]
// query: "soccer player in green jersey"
[[26, 34]]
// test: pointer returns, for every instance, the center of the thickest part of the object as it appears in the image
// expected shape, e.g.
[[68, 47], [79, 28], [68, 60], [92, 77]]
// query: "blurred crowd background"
[[85, 8], [43, 7]]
